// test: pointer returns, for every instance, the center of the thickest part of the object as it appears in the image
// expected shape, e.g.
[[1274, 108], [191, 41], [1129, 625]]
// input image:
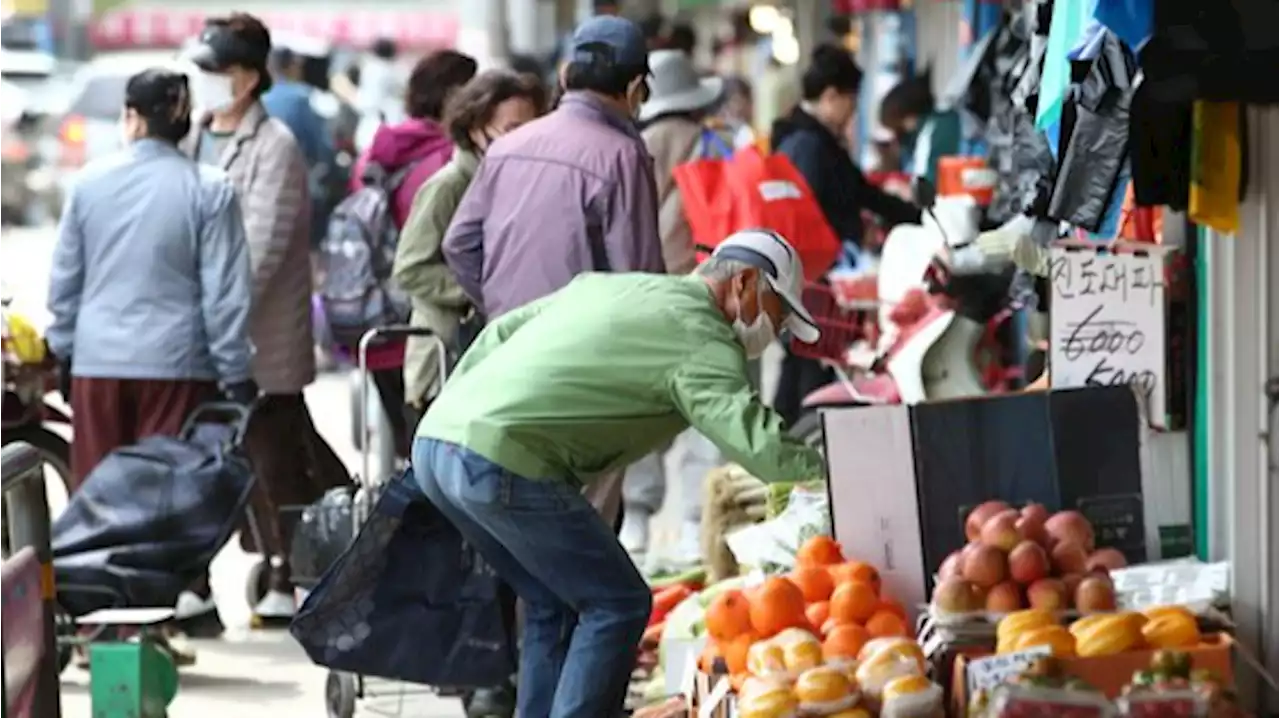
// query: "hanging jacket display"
[[1220, 51], [1159, 149], [1019, 152], [1095, 150]]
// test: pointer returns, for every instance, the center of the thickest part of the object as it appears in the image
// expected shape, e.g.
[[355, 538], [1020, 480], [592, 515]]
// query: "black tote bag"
[[409, 600]]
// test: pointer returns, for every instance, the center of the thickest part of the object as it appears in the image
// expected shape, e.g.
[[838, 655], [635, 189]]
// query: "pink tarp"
[[130, 28]]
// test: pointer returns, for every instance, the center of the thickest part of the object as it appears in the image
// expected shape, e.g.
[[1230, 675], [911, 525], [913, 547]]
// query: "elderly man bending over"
[[586, 379]]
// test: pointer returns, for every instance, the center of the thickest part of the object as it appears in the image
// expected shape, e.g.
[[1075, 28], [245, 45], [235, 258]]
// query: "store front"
[[914, 486]]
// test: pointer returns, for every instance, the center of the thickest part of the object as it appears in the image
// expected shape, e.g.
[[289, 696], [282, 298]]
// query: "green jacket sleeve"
[[497, 332], [711, 390], [419, 268]]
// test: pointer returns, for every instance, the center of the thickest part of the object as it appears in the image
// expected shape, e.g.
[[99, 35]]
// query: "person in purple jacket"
[[568, 193]]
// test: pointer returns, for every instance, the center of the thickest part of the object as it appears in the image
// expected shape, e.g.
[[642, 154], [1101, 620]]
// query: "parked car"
[[90, 127]]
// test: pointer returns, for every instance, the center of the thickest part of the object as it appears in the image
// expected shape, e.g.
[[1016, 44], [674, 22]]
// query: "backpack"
[[357, 255]]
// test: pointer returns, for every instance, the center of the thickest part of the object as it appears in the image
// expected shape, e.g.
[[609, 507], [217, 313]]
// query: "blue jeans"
[[586, 605]]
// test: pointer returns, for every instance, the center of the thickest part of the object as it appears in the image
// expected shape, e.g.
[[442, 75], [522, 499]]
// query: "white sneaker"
[[276, 604], [190, 605]]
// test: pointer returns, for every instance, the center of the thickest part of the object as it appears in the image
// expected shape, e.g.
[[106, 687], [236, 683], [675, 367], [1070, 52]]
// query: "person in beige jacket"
[[675, 130], [293, 464]]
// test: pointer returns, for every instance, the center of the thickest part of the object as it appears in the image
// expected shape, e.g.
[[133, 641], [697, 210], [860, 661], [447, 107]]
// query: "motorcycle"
[[29, 192], [937, 330], [30, 376]]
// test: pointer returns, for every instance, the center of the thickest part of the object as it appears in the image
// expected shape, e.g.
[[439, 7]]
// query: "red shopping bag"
[[750, 189]]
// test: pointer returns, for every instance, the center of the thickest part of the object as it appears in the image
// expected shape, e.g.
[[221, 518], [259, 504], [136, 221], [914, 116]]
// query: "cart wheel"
[[490, 703], [258, 583], [340, 695], [64, 627]]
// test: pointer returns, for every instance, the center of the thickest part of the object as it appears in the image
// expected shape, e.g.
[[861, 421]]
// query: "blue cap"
[[612, 39]]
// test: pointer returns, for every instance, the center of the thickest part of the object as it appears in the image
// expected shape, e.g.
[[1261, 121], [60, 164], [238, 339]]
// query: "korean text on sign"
[[1107, 322]]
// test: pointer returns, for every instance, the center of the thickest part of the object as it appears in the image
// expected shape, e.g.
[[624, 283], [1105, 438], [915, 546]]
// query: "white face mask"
[[758, 335], [211, 92]]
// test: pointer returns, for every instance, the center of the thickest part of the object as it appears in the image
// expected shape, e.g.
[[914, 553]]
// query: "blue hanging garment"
[[1132, 21], [1090, 42], [1065, 28]]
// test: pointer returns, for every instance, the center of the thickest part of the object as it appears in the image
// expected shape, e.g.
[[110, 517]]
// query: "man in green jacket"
[[588, 379]]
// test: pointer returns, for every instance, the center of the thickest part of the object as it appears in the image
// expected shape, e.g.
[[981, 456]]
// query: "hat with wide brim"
[[674, 86]]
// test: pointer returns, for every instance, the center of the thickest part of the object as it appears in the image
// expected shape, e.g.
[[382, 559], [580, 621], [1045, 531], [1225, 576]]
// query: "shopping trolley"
[[344, 689], [845, 308]]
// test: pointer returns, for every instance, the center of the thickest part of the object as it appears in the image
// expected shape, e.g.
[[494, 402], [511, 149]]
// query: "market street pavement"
[[252, 674]]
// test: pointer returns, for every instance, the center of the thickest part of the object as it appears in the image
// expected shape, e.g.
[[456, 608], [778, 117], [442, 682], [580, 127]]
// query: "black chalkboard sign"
[[1117, 523]]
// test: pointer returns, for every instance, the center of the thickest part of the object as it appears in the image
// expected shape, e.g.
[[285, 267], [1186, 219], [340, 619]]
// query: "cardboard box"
[[1110, 674], [710, 697], [903, 479]]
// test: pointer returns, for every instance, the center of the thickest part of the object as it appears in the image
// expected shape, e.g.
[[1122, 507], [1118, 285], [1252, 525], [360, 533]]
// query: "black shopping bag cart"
[[408, 603]]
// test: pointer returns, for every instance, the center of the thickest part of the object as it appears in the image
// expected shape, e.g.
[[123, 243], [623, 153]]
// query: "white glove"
[[1032, 257], [1000, 242]]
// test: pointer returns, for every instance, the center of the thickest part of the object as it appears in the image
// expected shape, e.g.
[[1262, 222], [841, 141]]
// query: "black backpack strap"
[[395, 180], [374, 174]]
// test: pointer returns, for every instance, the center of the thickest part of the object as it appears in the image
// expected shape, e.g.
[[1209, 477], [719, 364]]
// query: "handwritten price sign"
[[1107, 322], [989, 672]]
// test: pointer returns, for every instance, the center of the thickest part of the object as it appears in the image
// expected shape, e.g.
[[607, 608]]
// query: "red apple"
[[1106, 560], [979, 516], [1030, 524], [1069, 557], [952, 566], [1049, 594], [1028, 563], [1070, 526], [1004, 598], [985, 566], [1001, 531]]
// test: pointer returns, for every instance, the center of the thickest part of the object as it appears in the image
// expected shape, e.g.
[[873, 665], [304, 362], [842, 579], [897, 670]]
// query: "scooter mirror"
[[924, 193]]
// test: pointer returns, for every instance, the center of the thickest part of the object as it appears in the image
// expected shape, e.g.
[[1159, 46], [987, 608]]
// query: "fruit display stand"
[[817, 638]]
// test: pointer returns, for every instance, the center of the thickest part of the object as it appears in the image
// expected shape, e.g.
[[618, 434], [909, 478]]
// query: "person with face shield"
[[568, 193], [293, 464], [151, 255], [588, 379]]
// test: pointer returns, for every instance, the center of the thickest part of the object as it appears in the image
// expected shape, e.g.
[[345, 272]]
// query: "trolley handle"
[[362, 365], [391, 331], [224, 412], [395, 331]]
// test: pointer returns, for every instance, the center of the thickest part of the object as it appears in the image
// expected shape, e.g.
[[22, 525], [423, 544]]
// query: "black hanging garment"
[[1097, 144]]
